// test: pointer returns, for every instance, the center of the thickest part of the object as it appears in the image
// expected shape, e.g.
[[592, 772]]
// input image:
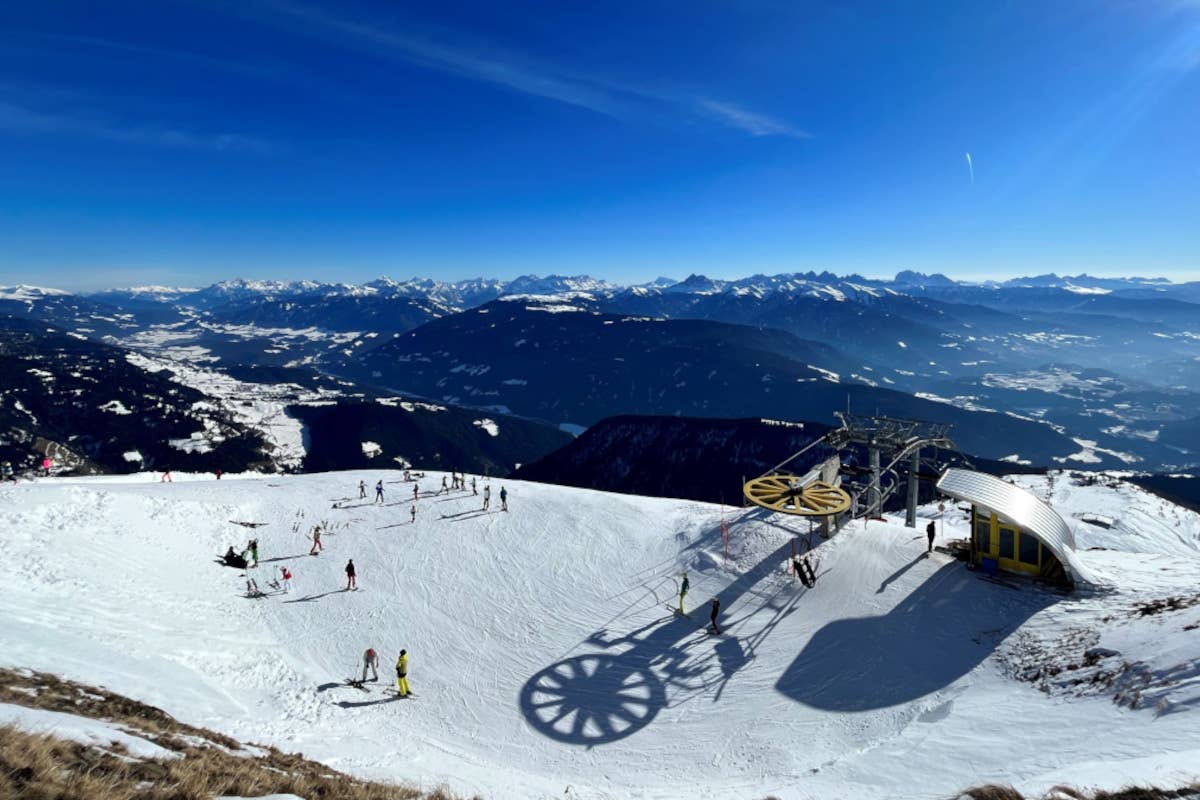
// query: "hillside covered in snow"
[[545, 658]]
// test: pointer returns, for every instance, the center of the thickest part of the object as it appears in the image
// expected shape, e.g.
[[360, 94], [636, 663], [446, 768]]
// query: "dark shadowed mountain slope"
[[364, 434], [91, 409], [568, 364], [695, 459], [685, 457], [335, 313], [1182, 490]]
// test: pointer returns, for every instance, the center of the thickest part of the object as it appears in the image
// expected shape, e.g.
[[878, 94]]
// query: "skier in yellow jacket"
[[402, 674]]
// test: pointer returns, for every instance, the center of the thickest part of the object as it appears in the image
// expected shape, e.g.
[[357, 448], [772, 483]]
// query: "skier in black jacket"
[[712, 616]]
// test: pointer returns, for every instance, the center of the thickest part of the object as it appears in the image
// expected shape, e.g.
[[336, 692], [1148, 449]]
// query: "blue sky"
[[187, 142]]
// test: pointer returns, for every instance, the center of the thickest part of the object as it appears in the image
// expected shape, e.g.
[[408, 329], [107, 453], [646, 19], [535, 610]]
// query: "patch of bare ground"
[[40, 767], [997, 792]]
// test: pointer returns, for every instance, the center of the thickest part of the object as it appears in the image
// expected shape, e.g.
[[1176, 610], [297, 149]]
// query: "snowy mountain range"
[[1037, 352]]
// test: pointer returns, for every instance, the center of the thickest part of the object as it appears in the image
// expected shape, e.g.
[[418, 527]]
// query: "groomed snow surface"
[[544, 654]]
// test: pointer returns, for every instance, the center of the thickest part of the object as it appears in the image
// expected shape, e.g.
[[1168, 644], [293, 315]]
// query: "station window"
[[983, 534], [1029, 549], [1008, 542]]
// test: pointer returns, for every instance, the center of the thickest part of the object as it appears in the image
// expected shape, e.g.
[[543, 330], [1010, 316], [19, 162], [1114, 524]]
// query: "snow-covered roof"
[[1021, 507]]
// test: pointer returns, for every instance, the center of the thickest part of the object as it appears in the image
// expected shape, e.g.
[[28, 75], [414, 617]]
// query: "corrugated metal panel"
[[1019, 506]]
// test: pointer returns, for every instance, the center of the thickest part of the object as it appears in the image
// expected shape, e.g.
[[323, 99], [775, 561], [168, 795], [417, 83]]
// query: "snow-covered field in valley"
[[545, 658]]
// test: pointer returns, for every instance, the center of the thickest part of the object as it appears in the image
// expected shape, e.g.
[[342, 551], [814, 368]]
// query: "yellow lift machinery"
[[786, 493], [809, 496]]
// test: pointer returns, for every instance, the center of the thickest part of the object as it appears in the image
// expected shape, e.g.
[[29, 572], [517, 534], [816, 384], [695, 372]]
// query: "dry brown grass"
[[36, 767], [997, 792]]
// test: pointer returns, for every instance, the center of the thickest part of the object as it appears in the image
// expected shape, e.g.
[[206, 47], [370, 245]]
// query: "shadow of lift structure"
[[602, 697]]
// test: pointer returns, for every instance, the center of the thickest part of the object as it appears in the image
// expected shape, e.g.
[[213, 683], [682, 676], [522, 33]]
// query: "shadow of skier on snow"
[[312, 597], [283, 558], [463, 516], [890, 579], [365, 703]]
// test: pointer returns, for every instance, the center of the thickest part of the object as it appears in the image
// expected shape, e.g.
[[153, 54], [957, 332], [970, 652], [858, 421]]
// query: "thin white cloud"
[[749, 121], [525, 75], [504, 70], [17, 118], [971, 168]]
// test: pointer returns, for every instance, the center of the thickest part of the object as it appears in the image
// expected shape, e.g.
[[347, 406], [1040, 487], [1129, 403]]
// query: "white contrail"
[[971, 168]]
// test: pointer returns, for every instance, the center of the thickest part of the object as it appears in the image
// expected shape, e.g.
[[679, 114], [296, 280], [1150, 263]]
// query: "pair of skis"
[[361, 686]]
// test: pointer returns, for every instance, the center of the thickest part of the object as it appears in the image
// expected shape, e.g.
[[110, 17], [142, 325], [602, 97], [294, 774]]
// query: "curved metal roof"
[[1021, 507]]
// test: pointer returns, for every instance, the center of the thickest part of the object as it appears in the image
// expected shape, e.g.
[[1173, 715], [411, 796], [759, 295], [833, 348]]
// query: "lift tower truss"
[[895, 439]]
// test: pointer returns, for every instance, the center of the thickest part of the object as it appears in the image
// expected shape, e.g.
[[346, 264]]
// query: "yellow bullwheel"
[[785, 494]]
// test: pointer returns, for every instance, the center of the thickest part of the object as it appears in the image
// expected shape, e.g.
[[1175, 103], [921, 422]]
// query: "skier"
[[379, 492], [217, 472], [370, 661], [503, 499], [487, 496], [350, 584], [232, 559], [407, 476], [6, 472], [252, 589], [683, 590], [413, 517], [444, 487], [712, 616], [166, 477], [253, 548], [416, 489], [285, 577], [316, 540], [402, 674], [46, 464], [930, 532], [362, 490], [473, 489]]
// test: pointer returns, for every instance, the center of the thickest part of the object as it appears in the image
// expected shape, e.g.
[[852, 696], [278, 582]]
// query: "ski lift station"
[[1011, 530]]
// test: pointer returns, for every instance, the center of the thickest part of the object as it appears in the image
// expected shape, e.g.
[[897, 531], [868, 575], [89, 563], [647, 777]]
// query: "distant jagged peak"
[[908, 277], [554, 284], [698, 284]]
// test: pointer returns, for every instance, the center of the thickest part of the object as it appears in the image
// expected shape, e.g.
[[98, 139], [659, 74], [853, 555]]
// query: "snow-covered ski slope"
[[544, 654]]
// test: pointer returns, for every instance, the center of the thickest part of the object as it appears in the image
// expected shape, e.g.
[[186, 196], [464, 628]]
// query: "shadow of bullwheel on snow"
[[602, 697], [592, 699]]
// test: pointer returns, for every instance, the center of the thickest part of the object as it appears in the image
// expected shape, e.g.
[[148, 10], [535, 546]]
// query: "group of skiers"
[[9, 474], [371, 663], [487, 498], [714, 607], [248, 557], [456, 482], [362, 491]]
